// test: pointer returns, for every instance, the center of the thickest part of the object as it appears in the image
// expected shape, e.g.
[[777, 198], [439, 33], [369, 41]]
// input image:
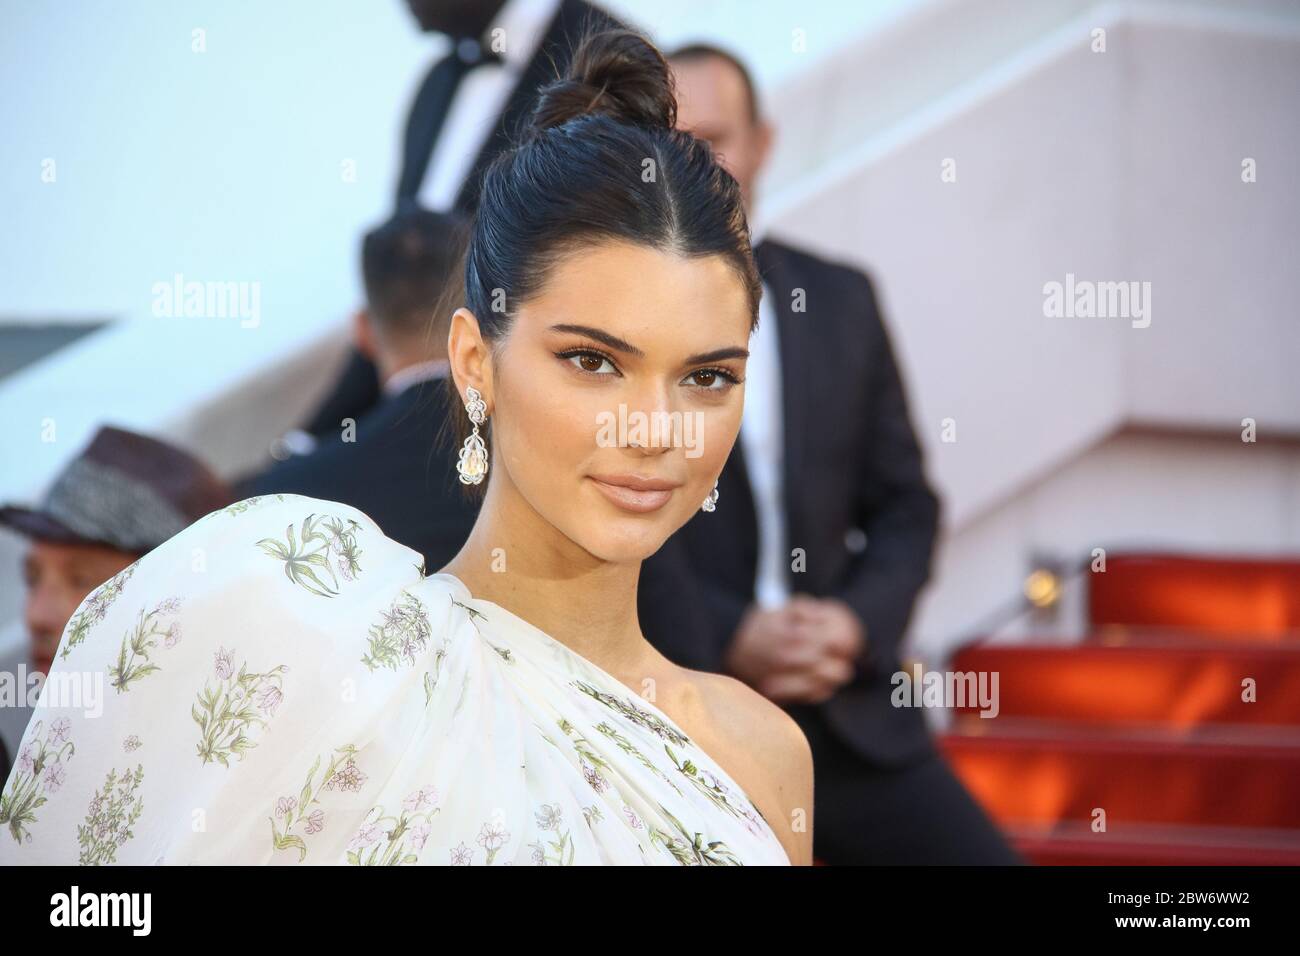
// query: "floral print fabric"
[[280, 683]]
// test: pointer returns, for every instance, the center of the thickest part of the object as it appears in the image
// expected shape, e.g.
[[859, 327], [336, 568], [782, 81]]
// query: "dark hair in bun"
[[600, 160], [616, 74]]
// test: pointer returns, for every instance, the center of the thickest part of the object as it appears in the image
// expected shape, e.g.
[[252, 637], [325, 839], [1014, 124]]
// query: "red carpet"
[[1149, 720]]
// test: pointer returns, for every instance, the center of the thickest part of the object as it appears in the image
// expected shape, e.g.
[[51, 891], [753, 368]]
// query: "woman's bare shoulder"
[[761, 736], [752, 716]]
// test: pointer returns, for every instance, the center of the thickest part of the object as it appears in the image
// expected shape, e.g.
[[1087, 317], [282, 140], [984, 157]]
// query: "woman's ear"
[[469, 355]]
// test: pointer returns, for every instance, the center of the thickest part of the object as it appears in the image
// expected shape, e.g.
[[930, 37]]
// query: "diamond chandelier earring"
[[711, 502], [473, 460]]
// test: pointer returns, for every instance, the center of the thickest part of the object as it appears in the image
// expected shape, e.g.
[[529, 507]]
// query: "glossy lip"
[[636, 493], [639, 482]]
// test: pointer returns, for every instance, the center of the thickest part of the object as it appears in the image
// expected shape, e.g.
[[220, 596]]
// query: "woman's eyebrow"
[[622, 345], [613, 341], [717, 355]]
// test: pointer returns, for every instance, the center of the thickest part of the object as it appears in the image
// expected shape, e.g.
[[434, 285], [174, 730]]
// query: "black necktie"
[[429, 111]]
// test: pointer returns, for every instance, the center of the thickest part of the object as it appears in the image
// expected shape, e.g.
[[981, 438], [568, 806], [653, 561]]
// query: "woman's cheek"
[[721, 427], [558, 425]]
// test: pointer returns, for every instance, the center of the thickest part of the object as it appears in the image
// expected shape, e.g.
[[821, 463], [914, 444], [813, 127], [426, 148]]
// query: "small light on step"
[[1043, 588]]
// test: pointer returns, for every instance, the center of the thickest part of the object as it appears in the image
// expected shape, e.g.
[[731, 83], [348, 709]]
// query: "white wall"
[[226, 165], [223, 164], [1123, 165]]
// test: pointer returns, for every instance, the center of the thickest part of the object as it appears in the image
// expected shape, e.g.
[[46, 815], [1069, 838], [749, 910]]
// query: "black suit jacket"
[[851, 462], [358, 385], [549, 62], [396, 471]]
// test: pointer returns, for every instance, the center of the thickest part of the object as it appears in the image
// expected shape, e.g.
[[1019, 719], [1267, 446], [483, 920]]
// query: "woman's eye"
[[711, 379], [592, 362]]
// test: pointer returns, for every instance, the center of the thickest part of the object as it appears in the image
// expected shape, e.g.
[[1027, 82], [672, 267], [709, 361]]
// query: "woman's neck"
[[515, 558]]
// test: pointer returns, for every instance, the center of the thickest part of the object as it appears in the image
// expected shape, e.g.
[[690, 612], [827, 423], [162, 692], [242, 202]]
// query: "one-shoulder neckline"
[[463, 589], [531, 628]]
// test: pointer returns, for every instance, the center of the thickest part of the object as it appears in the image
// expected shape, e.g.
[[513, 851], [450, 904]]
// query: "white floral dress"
[[281, 683]]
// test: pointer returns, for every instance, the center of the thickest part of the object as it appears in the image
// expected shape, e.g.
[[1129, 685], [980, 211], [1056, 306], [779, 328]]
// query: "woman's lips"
[[640, 500]]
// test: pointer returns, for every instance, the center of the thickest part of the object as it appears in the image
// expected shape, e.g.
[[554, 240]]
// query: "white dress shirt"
[[482, 95], [762, 433], [404, 378]]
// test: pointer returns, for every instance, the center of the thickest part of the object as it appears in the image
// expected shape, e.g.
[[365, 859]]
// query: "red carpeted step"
[[1149, 845], [1179, 682], [1038, 773], [1232, 597]]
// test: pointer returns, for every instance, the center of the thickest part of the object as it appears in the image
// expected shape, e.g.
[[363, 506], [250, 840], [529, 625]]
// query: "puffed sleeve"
[[190, 691]]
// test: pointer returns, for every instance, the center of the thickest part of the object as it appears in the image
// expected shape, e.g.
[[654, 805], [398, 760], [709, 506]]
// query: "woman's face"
[[615, 397]]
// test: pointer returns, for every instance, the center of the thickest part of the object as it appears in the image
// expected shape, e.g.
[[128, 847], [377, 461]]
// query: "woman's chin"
[[621, 540]]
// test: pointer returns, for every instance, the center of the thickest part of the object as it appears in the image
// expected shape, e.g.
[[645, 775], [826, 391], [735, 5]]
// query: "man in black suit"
[[801, 583], [391, 462], [467, 110]]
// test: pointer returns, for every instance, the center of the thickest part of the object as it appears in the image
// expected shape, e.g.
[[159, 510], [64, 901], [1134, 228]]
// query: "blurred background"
[[1120, 534]]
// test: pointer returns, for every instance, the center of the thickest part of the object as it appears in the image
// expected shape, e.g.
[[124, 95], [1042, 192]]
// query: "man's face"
[[58, 577], [712, 104]]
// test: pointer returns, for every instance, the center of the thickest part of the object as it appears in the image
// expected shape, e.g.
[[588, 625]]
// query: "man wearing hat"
[[124, 495]]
